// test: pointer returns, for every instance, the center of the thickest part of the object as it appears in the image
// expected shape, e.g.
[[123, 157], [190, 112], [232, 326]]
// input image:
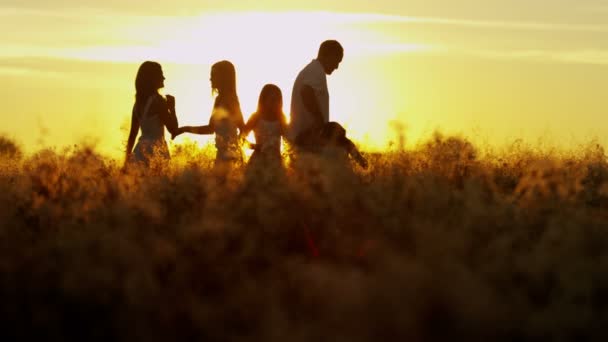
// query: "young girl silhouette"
[[152, 113], [268, 124], [226, 117]]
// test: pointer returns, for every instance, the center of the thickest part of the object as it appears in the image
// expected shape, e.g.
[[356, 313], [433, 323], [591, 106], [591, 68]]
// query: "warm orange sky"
[[494, 70]]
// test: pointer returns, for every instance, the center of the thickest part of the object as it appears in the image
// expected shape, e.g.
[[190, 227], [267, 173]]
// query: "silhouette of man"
[[310, 128]]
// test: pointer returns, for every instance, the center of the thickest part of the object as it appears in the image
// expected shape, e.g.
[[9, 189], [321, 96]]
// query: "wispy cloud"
[[20, 71], [599, 57], [103, 36], [597, 8], [194, 39], [372, 18], [592, 57], [59, 67]]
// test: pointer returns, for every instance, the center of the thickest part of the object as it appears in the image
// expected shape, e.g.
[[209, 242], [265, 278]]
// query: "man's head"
[[330, 55]]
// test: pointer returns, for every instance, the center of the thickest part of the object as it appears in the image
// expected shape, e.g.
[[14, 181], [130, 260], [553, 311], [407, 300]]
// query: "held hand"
[[244, 142], [180, 130], [171, 101]]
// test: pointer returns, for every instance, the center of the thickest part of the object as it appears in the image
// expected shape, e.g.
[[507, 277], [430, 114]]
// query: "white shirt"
[[314, 76]]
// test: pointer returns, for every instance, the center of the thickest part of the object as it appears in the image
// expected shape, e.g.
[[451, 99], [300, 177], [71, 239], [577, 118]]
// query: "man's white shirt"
[[314, 76]]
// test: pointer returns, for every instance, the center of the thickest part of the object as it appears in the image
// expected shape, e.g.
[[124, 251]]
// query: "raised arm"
[[132, 133], [168, 115], [309, 99]]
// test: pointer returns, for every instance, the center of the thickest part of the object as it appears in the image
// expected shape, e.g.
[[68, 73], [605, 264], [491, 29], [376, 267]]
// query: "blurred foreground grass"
[[444, 242]]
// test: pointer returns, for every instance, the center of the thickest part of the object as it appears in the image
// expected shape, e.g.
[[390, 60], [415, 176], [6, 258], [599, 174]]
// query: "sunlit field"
[[447, 241]]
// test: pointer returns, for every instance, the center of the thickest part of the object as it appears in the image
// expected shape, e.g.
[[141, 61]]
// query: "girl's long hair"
[[147, 81], [271, 110], [224, 75]]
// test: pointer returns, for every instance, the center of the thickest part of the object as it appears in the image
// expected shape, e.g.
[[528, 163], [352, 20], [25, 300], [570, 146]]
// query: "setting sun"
[[290, 170], [467, 70]]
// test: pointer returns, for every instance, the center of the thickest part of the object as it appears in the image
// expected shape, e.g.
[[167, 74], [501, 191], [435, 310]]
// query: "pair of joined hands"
[[180, 130], [171, 105]]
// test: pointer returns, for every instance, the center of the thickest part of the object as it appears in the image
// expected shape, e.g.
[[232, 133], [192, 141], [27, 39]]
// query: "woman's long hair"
[[224, 74], [147, 81], [270, 103]]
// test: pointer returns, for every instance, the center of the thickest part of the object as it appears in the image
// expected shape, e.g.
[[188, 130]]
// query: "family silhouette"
[[309, 131]]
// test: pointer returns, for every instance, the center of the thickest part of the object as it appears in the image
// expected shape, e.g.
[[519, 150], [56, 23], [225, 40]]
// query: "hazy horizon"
[[492, 71]]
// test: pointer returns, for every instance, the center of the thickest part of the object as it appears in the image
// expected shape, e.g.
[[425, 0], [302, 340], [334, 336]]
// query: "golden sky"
[[490, 69]]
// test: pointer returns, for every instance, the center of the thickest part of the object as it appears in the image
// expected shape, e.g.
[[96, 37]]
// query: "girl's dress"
[[151, 144], [268, 143], [226, 137]]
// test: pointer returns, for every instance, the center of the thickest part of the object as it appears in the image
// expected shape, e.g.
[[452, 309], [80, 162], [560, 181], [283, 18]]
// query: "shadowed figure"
[[268, 124], [310, 129], [151, 113], [226, 117]]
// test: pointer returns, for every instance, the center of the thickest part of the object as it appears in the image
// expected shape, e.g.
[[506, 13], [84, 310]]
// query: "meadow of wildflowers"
[[442, 242]]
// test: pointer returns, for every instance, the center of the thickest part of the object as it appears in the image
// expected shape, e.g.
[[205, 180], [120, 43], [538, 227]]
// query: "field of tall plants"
[[446, 241]]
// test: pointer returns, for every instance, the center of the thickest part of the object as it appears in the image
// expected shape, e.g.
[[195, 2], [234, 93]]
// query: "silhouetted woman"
[[226, 119], [152, 113], [268, 124]]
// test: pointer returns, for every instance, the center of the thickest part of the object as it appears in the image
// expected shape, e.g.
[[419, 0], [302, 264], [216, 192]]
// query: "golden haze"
[[485, 78]]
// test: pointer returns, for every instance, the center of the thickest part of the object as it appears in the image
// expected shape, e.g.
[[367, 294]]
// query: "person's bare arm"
[[207, 129], [168, 115], [248, 127], [203, 130], [132, 134], [309, 99], [240, 124], [170, 119]]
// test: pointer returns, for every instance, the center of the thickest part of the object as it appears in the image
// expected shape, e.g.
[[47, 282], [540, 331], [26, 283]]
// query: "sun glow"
[[490, 70], [93, 74], [265, 48]]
